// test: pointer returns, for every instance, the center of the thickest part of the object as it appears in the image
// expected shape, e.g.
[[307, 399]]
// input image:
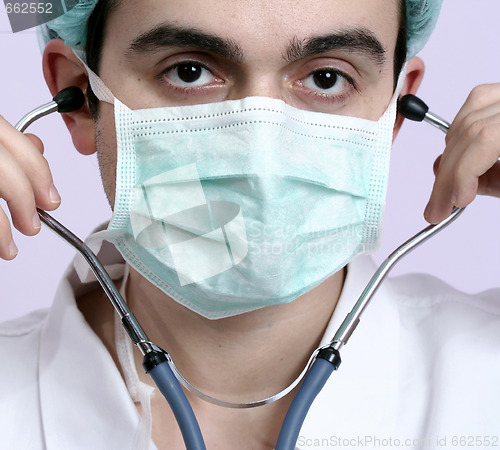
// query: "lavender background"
[[462, 53]]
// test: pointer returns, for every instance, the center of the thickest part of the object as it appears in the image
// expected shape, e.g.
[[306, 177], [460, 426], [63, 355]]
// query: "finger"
[[489, 183], [437, 164], [442, 199], [8, 249], [35, 140], [474, 148], [16, 189], [480, 97], [441, 203], [482, 154], [27, 151], [457, 181], [470, 124]]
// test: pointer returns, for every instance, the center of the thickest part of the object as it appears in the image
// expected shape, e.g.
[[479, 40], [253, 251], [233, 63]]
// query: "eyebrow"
[[167, 35], [353, 40]]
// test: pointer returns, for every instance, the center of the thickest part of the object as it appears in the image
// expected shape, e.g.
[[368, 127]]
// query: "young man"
[[410, 366]]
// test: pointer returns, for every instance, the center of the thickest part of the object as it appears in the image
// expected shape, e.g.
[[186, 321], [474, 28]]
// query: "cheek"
[[377, 99], [107, 165], [106, 152]]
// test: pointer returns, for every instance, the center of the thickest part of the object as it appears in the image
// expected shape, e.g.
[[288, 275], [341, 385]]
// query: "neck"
[[242, 358]]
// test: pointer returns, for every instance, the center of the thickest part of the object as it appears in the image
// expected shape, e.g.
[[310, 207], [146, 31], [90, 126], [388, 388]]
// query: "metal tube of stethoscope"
[[415, 109], [67, 100], [352, 320], [437, 122], [129, 321], [36, 114]]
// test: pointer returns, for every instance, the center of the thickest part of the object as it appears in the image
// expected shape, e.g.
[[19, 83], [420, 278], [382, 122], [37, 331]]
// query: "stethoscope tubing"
[[311, 386], [168, 385]]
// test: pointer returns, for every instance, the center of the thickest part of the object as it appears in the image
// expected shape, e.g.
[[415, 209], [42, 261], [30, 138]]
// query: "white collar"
[[79, 382]]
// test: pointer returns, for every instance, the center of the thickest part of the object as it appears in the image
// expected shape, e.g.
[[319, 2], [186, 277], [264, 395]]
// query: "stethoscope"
[[157, 361]]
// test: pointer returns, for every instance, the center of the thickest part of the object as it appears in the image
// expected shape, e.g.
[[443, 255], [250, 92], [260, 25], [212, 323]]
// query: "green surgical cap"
[[422, 16], [71, 27]]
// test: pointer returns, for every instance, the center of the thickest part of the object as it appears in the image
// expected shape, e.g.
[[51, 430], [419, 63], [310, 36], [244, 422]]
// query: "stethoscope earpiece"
[[412, 108], [69, 99]]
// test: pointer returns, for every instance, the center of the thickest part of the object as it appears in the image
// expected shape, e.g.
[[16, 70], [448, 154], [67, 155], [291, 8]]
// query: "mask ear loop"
[[100, 90]]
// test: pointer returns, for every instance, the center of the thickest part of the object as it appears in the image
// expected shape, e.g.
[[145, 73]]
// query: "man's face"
[[331, 56]]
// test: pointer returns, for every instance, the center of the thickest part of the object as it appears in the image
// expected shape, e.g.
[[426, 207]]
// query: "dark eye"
[[189, 74], [326, 81]]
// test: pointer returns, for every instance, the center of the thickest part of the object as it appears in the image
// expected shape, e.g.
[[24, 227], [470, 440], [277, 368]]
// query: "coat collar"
[[79, 382]]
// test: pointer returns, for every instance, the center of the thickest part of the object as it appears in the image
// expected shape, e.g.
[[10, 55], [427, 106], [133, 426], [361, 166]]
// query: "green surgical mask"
[[233, 206]]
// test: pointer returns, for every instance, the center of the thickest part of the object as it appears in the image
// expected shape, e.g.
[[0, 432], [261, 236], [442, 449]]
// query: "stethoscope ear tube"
[[313, 382], [156, 364]]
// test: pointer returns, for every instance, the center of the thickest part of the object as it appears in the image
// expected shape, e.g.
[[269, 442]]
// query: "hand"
[[469, 164], [25, 182]]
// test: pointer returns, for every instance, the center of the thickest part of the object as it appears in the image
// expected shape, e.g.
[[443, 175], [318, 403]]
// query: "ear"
[[414, 74], [61, 69]]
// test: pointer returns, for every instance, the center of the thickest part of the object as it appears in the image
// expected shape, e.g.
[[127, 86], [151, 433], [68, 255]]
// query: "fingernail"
[[13, 249], [54, 195], [454, 198], [36, 221]]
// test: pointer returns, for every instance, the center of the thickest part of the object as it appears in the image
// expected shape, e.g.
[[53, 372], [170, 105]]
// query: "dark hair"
[[97, 29], [401, 50]]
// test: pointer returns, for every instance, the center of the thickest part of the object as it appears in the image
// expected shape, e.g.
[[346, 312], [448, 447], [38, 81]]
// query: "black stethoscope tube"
[[311, 386], [168, 385]]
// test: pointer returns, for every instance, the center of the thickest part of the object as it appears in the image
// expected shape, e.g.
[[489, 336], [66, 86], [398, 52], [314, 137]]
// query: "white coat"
[[422, 370]]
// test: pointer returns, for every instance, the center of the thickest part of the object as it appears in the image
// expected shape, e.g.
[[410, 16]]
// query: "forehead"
[[260, 27]]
